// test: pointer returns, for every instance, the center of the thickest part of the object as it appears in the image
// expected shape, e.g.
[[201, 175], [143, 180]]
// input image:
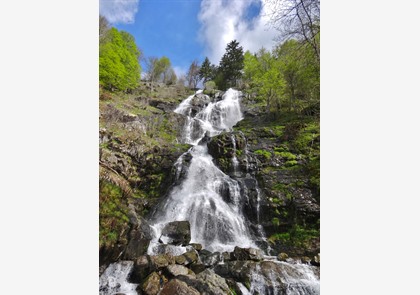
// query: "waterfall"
[[114, 279], [286, 278], [208, 198]]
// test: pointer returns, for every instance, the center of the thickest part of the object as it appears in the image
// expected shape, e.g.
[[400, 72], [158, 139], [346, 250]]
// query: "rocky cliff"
[[274, 158]]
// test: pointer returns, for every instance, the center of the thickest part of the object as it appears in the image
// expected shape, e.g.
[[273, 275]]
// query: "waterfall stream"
[[215, 223], [213, 203]]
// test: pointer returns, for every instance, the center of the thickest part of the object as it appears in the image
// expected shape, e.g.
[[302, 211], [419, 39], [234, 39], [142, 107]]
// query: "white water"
[[216, 223], [114, 279], [297, 279]]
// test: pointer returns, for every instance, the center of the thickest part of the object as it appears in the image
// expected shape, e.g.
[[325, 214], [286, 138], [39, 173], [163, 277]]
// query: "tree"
[[157, 68], [231, 64], [170, 77], [263, 77], [103, 28], [193, 75], [206, 71], [119, 68], [299, 19]]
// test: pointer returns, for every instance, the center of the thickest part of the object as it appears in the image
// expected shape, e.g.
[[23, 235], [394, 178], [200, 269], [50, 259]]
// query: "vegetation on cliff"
[[281, 132]]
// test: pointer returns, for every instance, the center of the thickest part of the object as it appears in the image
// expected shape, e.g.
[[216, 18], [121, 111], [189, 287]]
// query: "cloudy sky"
[[184, 30]]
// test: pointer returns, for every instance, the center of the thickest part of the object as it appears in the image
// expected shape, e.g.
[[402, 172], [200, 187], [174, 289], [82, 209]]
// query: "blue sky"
[[184, 30]]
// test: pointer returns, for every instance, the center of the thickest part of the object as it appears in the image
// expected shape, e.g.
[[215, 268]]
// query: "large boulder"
[[177, 287], [152, 284], [176, 233], [174, 270], [247, 254], [139, 240], [207, 282]]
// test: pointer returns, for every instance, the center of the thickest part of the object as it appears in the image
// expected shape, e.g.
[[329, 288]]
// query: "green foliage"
[[275, 221], [119, 68], [287, 78], [231, 65], [296, 236], [207, 71], [264, 153], [112, 213], [263, 78], [287, 155]]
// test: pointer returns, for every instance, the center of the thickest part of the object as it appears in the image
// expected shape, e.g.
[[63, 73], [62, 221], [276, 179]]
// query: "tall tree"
[[157, 68], [263, 77], [232, 63], [299, 19], [206, 70], [119, 67], [193, 75], [103, 28]]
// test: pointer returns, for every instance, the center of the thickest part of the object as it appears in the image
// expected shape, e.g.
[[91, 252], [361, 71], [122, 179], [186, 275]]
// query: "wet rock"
[[174, 270], [176, 233], [282, 256], [316, 260], [305, 259], [181, 259], [177, 287], [207, 282], [226, 256], [142, 267], [162, 260], [196, 246], [211, 259], [247, 254], [191, 256], [138, 240], [197, 267], [152, 284]]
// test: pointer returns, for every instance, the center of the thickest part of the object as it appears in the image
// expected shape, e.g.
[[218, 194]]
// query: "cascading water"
[[114, 279], [212, 202], [285, 279], [216, 223]]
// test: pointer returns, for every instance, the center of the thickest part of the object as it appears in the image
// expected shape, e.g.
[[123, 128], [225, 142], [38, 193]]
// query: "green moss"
[[112, 213], [275, 221], [297, 236], [286, 155], [285, 189], [264, 153], [290, 163]]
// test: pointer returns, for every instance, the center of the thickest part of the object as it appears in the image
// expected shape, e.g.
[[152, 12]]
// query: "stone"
[[191, 256], [176, 233], [316, 260], [162, 260], [180, 259], [138, 240], [282, 256], [211, 259], [247, 254], [151, 285], [196, 246], [174, 270], [177, 287], [142, 267], [197, 267]]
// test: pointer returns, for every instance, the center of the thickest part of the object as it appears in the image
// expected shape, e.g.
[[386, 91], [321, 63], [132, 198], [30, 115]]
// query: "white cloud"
[[223, 21], [119, 11], [180, 71]]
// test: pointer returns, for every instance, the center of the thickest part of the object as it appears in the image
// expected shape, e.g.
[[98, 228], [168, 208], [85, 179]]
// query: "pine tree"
[[206, 71], [232, 63]]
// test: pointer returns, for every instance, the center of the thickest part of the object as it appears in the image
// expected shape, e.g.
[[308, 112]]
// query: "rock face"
[[177, 287], [247, 254], [176, 233], [139, 240]]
